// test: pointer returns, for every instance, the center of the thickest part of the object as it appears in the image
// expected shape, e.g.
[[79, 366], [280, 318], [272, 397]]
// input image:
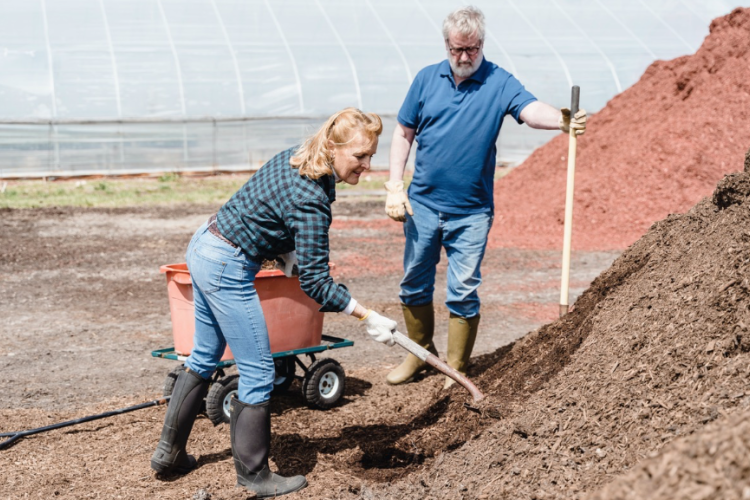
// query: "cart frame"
[[322, 383]]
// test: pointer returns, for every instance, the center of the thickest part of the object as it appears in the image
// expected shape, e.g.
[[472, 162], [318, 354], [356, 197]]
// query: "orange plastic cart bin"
[[292, 317]]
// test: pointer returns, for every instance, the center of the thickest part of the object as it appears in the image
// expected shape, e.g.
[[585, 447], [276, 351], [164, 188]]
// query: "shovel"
[[438, 364]]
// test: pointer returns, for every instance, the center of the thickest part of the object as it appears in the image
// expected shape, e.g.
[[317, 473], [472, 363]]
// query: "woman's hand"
[[379, 327], [287, 263]]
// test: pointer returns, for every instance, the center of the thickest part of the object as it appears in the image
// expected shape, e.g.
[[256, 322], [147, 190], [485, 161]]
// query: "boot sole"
[[168, 468]]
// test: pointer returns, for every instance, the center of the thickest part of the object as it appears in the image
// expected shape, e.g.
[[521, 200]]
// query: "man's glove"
[[287, 262], [578, 123], [379, 327], [396, 202]]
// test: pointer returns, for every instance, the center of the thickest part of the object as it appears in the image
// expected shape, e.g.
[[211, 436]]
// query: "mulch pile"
[[711, 463], [657, 148], [655, 350]]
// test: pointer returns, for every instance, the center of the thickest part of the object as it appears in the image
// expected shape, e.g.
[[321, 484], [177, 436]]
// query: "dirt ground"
[[84, 304], [640, 392]]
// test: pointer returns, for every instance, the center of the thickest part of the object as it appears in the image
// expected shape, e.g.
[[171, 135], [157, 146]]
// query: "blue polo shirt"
[[456, 133]]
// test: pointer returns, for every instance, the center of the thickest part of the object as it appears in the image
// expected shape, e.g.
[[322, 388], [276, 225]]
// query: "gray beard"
[[464, 70]]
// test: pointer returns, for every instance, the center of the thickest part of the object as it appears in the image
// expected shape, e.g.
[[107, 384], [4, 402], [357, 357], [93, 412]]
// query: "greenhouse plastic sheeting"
[[125, 86]]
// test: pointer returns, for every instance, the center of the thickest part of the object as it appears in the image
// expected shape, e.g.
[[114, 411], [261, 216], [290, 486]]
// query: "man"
[[455, 110]]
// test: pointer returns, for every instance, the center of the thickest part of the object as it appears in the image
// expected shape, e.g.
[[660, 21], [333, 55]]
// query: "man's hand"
[[396, 202], [287, 263], [379, 327], [578, 123]]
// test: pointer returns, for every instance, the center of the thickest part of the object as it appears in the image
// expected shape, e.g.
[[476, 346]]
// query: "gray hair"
[[467, 21]]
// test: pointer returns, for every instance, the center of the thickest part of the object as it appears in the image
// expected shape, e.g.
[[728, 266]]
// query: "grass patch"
[[168, 188], [119, 192]]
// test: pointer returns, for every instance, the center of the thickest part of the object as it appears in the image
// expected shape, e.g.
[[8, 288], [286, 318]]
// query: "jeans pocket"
[[206, 271]]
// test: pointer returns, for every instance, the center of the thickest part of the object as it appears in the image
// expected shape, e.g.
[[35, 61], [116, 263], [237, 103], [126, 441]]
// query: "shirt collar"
[[328, 183], [479, 76]]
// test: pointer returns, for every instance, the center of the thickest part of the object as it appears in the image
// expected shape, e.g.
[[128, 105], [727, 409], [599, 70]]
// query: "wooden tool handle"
[[438, 364], [575, 93]]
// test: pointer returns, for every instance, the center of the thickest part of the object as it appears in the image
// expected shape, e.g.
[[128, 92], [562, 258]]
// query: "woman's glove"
[[379, 327], [396, 202], [287, 262], [578, 123]]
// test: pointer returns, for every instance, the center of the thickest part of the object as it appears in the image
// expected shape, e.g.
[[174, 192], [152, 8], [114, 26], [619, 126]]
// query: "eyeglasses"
[[470, 51]]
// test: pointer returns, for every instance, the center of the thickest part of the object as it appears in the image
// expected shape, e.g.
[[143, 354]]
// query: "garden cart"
[[295, 329]]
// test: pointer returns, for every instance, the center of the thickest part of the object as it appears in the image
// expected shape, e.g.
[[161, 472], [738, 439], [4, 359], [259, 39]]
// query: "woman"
[[283, 210]]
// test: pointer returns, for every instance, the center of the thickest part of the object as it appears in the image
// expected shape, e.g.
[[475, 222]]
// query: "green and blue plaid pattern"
[[278, 211]]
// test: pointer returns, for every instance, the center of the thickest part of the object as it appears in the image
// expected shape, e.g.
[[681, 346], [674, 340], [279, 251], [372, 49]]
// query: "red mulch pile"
[[655, 149]]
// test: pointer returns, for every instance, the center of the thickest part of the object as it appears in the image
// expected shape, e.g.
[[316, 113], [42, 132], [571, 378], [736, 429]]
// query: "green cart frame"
[[323, 379]]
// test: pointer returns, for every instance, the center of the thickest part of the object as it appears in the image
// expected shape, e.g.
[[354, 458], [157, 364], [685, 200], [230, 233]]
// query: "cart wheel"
[[284, 374], [323, 384], [171, 379], [220, 397]]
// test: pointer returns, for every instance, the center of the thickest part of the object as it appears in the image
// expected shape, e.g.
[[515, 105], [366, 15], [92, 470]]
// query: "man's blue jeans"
[[227, 311], [464, 238]]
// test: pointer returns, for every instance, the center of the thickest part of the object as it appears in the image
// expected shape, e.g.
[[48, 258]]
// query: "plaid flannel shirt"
[[277, 211]]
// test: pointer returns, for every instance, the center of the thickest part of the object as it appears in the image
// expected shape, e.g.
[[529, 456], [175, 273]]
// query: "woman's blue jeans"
[[227, 311], [464, 238]]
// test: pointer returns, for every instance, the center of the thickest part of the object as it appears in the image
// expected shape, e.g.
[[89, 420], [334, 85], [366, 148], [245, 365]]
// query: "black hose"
[[18, 435]]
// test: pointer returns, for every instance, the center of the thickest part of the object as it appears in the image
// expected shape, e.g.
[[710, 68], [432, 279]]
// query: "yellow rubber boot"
[[462, 332], [420, 325]]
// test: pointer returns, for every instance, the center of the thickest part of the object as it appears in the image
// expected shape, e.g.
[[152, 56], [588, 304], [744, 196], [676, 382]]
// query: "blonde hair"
[[467, 21], [314, 157]]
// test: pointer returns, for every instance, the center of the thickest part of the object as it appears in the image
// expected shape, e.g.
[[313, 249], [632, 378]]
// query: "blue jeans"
[[464, 238], [227, 311]]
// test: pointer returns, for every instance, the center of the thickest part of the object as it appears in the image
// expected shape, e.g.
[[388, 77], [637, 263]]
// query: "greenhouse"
[[90, 87]]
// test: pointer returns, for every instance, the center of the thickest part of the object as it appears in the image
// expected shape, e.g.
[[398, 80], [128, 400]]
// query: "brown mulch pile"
[[712, 463], [657, 348], [655, 149]]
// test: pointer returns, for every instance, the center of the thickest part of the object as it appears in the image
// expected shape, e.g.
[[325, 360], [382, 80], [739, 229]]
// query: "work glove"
[[379, 327], [396, 202], [578, 123], [287, 262]]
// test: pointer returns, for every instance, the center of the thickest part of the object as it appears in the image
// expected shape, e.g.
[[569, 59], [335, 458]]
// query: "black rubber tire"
[[219, 398], [284, 375], [324, 384], [171, 379]]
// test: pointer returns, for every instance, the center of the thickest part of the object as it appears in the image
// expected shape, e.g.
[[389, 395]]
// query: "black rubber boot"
[[250, 431], [170, 455]]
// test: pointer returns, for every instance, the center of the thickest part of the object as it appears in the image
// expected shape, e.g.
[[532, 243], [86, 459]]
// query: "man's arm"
[[403, 137], [541, 115], [396, 202]]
